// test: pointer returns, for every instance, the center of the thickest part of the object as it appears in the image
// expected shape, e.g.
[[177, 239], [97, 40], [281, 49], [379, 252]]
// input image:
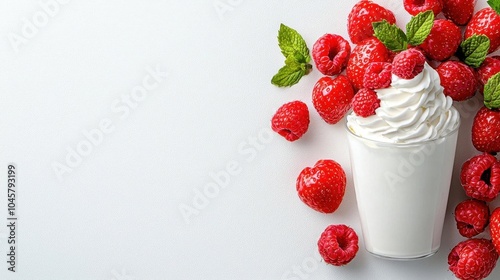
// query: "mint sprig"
[[297, 57], [474, 49], [395, 39], [495, 5], [492, 92]]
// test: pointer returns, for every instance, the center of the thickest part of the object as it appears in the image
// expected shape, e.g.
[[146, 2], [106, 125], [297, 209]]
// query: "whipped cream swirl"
[[410, 111]]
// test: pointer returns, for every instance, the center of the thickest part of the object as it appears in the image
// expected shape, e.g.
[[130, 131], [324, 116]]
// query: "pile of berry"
[[454, 39]]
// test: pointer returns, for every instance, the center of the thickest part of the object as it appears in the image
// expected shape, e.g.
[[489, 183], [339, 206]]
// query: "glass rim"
[[382, 143]]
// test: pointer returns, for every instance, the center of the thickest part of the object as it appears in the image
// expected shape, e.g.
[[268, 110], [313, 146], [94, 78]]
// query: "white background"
[[115, 213]]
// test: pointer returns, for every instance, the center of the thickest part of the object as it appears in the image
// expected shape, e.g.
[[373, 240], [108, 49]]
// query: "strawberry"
[[443, 41], [457, 79], [486, 22], [331, 98], [370, 50], [414, 7], [365, 102], [322, 187], [490, 67], [459, 11], [486, 130], [495, 228], [338, 244], [361, 17], [330, 53], [473, 259], [291, 120]]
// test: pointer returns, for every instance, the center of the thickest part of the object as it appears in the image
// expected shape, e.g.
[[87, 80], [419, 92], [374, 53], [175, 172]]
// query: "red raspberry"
[[486, 130], [330, 53], [370, 50], [443, 41], [365, 102], [408, 64], [332, 98], [473, 259], [472, 217], [489, 67], [378, 75], [480, 177], [495, 228], [414, 7], [361, 17], [457, 79], [338, 244], [291, 120], [322, 187]]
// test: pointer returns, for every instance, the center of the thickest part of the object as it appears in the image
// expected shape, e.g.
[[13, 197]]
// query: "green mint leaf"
[[288, 76], [419, 27], [292, 43], [390, 35], [495, 5], [492, 92], [474, 49]]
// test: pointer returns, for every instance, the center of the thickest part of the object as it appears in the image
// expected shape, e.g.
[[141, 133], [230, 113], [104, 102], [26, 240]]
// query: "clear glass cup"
[[402, 193]]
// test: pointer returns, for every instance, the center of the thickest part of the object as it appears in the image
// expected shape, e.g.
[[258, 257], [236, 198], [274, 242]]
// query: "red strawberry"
[[443, 41], [457, 79], [490, 67], [338, 244], [486, 130], [370, 50], [331, 97], [365, 102], [330, 53], [480, 177], [473, 259], [472, 217], [291, 120], [459, 11], [495, 228], [378, 75], [322, 187], [414, 7], [408, 64], [361, 17], [486, 22]]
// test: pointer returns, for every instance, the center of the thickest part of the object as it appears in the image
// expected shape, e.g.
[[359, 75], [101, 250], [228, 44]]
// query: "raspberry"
[[378, 75], [330, 53], [291, 120], [472, 217], [495, 228], [338, 244], [480, 177], [414, 7], [365, 102], [322, 187], [408, 64], [473, 259]]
